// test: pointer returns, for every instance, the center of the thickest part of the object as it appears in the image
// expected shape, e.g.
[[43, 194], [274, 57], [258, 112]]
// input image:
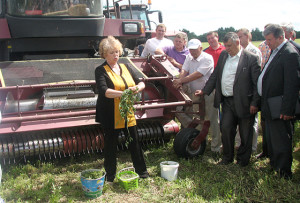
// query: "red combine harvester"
[[47, 86]]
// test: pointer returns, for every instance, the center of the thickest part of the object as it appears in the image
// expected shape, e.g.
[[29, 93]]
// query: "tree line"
[[256, 34]]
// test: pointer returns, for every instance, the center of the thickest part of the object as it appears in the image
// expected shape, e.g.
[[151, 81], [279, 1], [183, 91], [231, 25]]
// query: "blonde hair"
[[182, 35], [109, 43], [162, 26]]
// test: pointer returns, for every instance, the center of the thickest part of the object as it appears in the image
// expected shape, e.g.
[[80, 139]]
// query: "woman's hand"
[[134, 89], [138, 88]]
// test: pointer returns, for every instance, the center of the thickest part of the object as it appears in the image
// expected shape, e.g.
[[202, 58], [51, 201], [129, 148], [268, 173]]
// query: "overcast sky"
[[200, 16]]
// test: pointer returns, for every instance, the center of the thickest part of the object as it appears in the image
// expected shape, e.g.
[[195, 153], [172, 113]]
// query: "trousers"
[[110, 152]]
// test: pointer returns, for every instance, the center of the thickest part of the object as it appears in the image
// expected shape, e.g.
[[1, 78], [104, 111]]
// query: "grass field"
[[199, 180]]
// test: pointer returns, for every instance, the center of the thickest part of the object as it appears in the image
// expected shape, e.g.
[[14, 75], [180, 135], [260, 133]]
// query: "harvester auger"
[[48, 107]]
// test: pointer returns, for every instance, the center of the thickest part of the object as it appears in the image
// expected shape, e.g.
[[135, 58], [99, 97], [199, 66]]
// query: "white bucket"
[[169, 170]]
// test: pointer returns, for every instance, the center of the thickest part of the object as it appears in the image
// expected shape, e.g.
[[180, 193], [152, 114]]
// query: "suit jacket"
[[282, 79], [296, 45], [245, 83]]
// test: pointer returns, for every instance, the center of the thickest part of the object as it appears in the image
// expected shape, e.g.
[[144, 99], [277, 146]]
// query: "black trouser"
[[279, 141], [230, 120], [264, 139], [110, 152]]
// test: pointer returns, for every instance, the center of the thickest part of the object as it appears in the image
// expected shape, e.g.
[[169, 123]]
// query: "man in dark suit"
[[235, 81], [280, 77]]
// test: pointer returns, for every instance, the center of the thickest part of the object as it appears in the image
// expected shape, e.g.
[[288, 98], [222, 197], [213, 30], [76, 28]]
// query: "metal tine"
[[44, 146], [87, 137], [72, 152], [68, 140], [23, 148], [83, 139], [13, 149], [56, 135], [75, 143], [50, 145], [145, 135], [10, 149], [160, 132], [53, 143], [155, 131], [33, 146], [78, 140], [91, 137], [39, 145], [2, 149], [15, 144]]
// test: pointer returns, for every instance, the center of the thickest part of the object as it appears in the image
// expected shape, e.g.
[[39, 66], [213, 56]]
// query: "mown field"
[[199, 180]]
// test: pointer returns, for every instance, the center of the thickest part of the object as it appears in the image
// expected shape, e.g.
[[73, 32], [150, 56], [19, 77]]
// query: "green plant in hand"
[[127, 101]]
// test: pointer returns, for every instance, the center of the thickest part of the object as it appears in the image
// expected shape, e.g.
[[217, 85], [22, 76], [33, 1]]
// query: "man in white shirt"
[[196, 70], [156, 42], [245, 39], [235, 79]]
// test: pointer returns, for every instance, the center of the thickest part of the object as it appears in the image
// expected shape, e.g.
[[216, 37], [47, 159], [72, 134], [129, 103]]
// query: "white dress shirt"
[[154, 43], [228, 75], [204, 64]]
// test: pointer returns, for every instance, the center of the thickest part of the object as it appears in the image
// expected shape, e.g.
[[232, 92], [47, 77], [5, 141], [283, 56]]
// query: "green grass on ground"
[[199, 180]]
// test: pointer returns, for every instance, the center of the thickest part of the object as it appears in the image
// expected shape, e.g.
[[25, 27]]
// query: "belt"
[[229, 97]]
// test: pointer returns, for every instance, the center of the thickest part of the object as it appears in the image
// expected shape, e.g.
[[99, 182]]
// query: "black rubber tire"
[[182, 143]]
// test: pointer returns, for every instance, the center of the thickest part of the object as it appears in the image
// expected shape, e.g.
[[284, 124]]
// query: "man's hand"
[[253, 109], [177, 83], [198, 93], [285, 117]]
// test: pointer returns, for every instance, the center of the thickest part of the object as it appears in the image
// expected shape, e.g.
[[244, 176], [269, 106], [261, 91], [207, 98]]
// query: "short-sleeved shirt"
[[154, 43], [265, 51], [204, 64], [252, 48], [179, 56], [215, 53]]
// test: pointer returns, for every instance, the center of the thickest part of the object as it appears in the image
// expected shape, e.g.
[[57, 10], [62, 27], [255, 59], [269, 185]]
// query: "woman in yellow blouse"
[[112, 79]]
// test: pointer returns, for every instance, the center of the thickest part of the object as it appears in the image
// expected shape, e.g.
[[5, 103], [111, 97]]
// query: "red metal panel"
[[4, 30], [114, 27]]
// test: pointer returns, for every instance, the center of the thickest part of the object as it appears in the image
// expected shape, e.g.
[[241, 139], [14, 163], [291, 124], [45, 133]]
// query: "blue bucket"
[[92, 188]]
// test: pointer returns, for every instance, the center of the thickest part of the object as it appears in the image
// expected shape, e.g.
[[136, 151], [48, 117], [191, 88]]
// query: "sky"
[[200, 16]]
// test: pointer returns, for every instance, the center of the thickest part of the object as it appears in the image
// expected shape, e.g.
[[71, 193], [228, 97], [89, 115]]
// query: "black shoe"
[[144, 175], [224, 162], [261, 156]]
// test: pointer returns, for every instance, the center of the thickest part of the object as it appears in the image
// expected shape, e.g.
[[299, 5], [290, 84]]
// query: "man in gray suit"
[[279, 79], [235, 80]]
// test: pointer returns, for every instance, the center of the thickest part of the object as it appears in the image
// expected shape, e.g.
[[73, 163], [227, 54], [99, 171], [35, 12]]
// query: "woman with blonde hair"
[[112, 78]]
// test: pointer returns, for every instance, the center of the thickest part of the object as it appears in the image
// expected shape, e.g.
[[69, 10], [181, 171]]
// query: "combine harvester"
[[47, 87]]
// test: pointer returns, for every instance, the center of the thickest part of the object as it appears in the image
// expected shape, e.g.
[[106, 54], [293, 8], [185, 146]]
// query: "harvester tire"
[[182, 143]]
